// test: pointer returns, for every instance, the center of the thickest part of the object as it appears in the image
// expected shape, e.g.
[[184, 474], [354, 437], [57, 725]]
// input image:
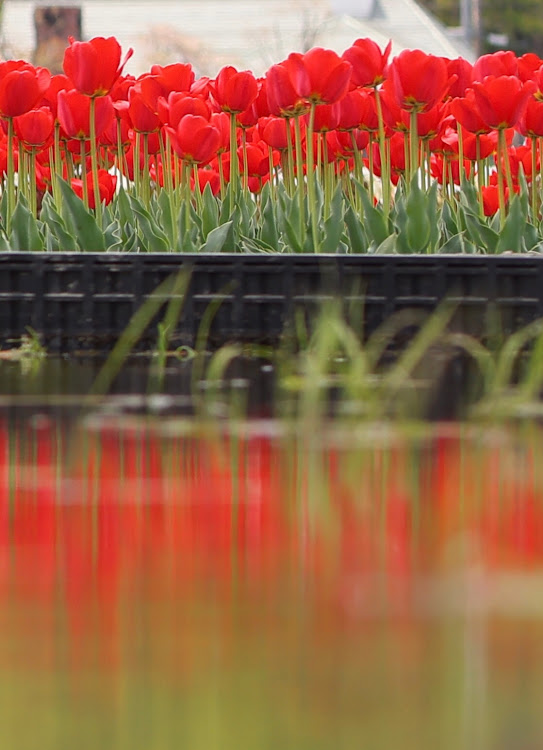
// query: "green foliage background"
[[521, 20]]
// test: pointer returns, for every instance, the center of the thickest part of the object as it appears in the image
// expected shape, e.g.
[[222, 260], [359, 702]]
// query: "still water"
[[262, 584]]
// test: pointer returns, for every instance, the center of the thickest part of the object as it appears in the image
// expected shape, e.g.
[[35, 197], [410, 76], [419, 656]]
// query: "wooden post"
[[53, 25]]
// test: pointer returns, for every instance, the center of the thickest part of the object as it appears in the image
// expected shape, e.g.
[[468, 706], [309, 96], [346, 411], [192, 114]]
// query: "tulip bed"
[[325, 153]]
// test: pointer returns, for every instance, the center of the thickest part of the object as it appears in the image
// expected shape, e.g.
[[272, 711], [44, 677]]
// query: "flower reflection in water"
[[260, 589]]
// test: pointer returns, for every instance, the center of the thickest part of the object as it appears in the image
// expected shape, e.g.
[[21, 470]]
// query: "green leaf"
[[333, 226], [186, 242], [357, 237], [449, 219], [433, 218], [166, 217], [389, 245], [113, 237], [269, 222], [418, 226], [480, 232], [4, 207], [217, 239], [123, 210], [79, 221], [247, 208], [210, 211], [255, 245], [457, 244], [513, 229], [54, 221], [24, 228], [469, 197], [155, 240], [292, 236], [131, 243], [377, 228]]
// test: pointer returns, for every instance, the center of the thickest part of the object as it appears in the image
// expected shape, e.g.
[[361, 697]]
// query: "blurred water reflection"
[[163, 586]]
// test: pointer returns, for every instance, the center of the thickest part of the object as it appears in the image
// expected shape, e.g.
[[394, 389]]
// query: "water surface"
[[264, 584]]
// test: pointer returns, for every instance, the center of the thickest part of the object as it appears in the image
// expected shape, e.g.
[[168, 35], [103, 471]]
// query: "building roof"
[[250, 34]]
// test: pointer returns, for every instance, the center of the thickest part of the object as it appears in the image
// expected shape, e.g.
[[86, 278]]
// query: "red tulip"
[[34, 129], [153, 141], [320, 75], [179, 104], [235, 91], [221, 122], [106, 186], [487, 143], [143, 116], [175, 77], [195, 140], [528, 65], [500, 63], [369, 120], [462, 72], [429, 123], [258, 163], [368, 62], [502, 100], [273, 131], [352, 109], [393, 114], [326, 117], [491, 200], [531, 121], [466, 111], [58, 83], [342, 141], [74, 114], [94, 66], [520, 157], [444, 170], [206, 177], [22, 87], [283, 98], [418, 81]]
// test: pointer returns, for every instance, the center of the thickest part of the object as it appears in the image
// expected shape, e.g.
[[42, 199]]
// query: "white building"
[[250, 34]]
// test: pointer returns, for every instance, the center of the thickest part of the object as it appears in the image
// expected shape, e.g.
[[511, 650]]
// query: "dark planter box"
[[84, 301]]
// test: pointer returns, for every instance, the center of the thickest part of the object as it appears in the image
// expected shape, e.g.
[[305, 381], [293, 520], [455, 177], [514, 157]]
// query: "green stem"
[[245, 179], [234, 166], [146, 178], [358, 171], [136, 163], [533, 143], [385, 171], [83, 159], [197, 191], [480, 172], [57, 168], [11, 176], [311, 192], [505, 155], [273, 182], [289, 180], [370, 167], [300, 178], [460, 154], [32, 178], [328, 177], [501, 191], [185, 187], [94, 162], [413, 145], [23, 184]]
